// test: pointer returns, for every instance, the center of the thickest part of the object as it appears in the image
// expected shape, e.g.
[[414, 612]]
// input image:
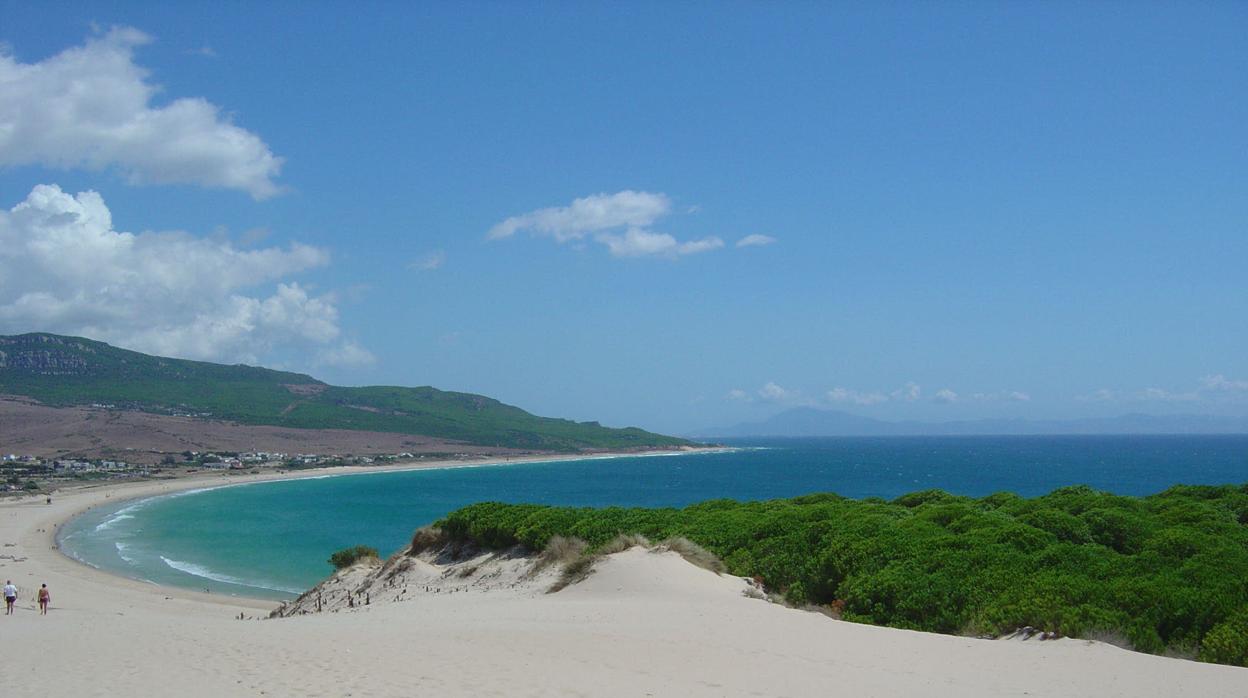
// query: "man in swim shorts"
[[10, 597]]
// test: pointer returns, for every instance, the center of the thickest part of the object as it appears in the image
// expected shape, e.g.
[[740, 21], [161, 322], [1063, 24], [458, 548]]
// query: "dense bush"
[[349, 556], [1169, 571]]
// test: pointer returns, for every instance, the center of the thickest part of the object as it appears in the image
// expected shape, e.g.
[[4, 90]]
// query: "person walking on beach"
[[45, 597], [10, 597]]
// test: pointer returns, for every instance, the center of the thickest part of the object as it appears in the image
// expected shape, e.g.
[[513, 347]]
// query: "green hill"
[[65, 371]]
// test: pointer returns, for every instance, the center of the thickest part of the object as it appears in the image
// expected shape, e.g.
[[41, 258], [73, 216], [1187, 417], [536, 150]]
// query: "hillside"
[[63, 371]]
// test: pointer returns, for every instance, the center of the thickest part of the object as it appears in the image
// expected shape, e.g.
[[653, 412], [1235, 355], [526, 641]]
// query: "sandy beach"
[[642, 624]]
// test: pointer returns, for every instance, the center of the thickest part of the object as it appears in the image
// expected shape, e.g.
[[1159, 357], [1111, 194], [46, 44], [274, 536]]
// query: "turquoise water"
[[272, 540]]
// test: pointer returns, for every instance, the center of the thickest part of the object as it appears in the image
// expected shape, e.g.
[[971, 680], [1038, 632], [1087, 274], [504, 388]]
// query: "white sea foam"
[[113, 521], [121, 551], [200, 571]]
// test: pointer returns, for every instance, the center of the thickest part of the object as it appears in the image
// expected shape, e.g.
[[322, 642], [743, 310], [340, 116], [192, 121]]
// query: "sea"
[[273, 540]]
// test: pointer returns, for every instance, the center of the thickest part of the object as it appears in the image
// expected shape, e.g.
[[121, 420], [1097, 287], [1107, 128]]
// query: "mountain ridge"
[[63, 371]]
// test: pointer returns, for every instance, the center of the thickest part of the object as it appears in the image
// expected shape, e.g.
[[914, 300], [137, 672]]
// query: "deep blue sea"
[[272, 540]]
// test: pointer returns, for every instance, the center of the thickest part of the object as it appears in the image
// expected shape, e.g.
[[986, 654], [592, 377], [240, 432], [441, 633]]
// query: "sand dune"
[[643, 623]]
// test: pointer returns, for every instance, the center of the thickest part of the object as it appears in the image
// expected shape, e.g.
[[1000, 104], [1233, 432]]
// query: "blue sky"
[[963, 209]]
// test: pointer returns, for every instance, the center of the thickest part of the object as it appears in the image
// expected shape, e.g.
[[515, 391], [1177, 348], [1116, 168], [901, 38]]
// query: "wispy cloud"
[[429, 262], [1220, 383], [739, 395], [587, 215], [1002, 396], [90, 107], [620, 221], [1215, 388], [755, 240], [640, 243], [945, 396], [854, 397]]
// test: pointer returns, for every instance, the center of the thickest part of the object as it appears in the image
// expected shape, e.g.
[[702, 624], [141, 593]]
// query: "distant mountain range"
[[65, 372], [809, 421]]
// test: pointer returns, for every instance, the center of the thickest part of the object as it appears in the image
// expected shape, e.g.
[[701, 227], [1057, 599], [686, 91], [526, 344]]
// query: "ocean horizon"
[[272, 539]]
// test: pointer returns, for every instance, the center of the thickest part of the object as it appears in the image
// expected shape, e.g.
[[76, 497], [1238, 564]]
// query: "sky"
[[668, 215]]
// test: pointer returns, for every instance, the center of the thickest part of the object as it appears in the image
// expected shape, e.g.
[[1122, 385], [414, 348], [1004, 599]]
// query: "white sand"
[[642, 624]]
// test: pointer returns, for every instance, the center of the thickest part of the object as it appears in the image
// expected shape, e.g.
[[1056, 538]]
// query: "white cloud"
[[755, 240], [65, 269], [1098, 395], [429, 262], [641, 243], [845, 395], [1215, 388], [774, 393], [908, 392], [1003, 396], [1219, 383], [602, 217], [588, 215], [91, 107], [945, 396], [739, 395], [1161, 395]]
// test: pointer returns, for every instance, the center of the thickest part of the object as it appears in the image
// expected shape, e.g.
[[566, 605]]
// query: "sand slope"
[[641, 624]]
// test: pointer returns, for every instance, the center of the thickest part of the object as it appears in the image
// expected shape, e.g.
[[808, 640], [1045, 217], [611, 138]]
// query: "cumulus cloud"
[[945, 396], [854, 397], [771, 392], [755, 240], [429, 262], [91, 107], [65, 269], [909, 392], [620, 221]]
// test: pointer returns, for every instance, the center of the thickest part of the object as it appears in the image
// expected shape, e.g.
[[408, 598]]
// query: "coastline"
[[641, 624], [116, 494]]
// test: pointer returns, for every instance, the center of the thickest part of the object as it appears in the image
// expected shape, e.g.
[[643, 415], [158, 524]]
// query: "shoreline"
[[641, 624], [133, 491]]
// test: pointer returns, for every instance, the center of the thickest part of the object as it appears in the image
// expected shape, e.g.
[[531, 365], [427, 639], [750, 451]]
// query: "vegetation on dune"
[[63, 371], [349, 556], [1168, 572]]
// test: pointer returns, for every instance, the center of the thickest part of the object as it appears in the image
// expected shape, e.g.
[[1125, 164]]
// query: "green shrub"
[[1165, 572], [349, 556], [1227, 642]]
